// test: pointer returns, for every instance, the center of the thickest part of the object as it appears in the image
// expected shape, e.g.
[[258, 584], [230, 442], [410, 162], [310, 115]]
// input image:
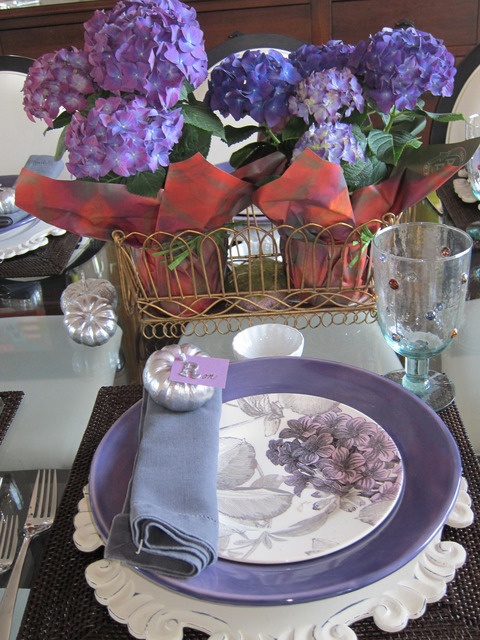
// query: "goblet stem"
[[432, 387], [416, 378]]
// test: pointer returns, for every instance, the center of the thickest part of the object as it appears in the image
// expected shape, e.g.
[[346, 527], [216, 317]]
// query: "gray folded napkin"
[[169, 521]]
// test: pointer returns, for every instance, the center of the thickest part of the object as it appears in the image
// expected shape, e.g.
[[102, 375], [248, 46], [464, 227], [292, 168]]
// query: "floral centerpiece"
[[344, 122], [135, 136], [336, 142]]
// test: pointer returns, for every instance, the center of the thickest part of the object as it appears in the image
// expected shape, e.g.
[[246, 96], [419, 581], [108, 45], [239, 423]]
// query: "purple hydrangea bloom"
[[327, 96], [121, 136], [309, 58], [257, 84], [331, 141], [343, 465], [338, 459], [399, 65], [373, 473], [57, 81], [355, 432], [150, 48]]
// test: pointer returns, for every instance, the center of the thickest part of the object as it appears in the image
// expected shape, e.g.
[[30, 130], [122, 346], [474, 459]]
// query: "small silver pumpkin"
[[176, 396], [90, 320], [7, 200], [97, 286]]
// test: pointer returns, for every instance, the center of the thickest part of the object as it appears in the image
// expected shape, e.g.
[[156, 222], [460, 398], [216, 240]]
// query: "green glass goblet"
[[420, 274]]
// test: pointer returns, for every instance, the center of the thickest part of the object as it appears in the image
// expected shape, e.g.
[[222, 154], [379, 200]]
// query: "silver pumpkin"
[[90, 320], [97, 286], [176, 396], [7, 200]]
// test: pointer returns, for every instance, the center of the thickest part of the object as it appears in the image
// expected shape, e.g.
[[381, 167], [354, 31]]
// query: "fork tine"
[[40, 507], [53, 503], [4, 530], [33, 499], [47, 501], [12, 542], [8, 542]]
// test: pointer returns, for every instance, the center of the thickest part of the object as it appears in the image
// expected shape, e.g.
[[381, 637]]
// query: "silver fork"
[[8, 541], [41, 513]]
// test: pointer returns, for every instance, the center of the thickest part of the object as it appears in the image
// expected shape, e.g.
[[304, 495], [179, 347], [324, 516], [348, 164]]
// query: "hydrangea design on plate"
[[337, 454], [301, 477]]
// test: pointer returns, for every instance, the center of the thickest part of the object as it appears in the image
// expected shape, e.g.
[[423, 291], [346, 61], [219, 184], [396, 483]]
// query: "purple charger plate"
[[19, 223], [431, 466]]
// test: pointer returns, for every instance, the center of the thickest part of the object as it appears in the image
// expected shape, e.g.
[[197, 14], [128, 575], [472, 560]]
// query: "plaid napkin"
[[169, 522]]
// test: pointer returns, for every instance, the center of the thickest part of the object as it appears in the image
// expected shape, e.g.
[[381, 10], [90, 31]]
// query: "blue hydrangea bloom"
[[327, 96], [147, 47], [309, 58], [399, 65], [257, 84], [121, 136], [56, 80], [331, 141]]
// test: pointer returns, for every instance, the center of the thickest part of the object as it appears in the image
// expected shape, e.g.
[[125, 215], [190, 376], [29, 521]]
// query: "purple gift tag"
[[211, 372]]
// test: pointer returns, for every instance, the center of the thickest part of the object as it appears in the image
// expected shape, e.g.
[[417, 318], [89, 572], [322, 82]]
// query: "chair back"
[[19, 136], [242, 41], [465, 99]]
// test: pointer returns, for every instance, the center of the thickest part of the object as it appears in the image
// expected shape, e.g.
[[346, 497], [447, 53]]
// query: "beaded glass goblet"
[[420, 278]]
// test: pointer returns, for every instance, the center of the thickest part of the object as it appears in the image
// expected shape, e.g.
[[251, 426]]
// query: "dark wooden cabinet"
[[457, 24], [31, 31], [308, 20]]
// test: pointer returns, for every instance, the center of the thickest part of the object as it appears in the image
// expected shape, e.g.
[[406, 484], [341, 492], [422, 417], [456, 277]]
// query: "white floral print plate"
[[301, 477]]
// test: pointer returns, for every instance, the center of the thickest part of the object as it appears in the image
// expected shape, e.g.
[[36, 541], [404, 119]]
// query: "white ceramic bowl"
[[267, 340]]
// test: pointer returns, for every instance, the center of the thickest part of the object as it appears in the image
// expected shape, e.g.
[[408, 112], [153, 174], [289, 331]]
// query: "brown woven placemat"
[[63, 607], [49, 260], [11, 402], [460, 213]]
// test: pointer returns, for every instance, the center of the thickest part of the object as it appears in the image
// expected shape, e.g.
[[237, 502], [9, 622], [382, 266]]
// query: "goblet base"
[[440, 393]]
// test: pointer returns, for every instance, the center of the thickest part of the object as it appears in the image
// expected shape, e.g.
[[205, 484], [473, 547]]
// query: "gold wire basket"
[[195, 283]]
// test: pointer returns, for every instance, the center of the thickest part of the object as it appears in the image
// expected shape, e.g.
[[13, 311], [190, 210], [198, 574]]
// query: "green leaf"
[[147, 183], [250, 152], [60, 148], [356, 118], [381, 145], [267, 179], [405, 138], [62, 120], [384, 117], [360, 136], [199, 116], [233, 135], [366, 236], [193, 140], [412, 121], [177, 251], [186, 91], [388, 147], [294, 129], [445, 117], [363, 173]]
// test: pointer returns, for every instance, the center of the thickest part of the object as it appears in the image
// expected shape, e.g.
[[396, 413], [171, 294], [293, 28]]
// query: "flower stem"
[[275, 139]]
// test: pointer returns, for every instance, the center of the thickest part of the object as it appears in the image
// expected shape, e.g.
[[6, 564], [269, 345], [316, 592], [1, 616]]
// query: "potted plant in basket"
[[344, 125], [135, 139]]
